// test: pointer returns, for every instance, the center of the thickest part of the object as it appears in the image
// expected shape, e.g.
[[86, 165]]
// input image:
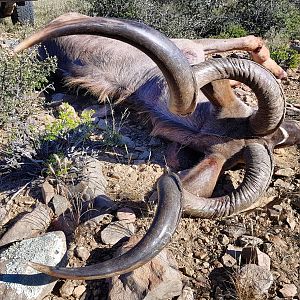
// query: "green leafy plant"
[[69, 121], [58, 165], [21, 75], [285, 56], [233, 31]]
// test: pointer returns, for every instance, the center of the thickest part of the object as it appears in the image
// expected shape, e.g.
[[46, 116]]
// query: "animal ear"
[[174, 66], [271, 101]]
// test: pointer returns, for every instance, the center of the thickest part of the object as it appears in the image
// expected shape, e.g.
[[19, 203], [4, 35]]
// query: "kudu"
[[160, 82]]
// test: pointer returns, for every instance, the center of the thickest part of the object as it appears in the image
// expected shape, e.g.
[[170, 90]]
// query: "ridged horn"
[[271, 101], [170, 60], [163, 227], [259, 170]]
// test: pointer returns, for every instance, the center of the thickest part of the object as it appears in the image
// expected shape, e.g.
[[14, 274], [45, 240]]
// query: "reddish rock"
[[158, 279]]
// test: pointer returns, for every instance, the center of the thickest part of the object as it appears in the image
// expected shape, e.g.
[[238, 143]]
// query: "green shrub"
[[191, 19], [21, 76], [233, 31], [69, 121], [285, 56]]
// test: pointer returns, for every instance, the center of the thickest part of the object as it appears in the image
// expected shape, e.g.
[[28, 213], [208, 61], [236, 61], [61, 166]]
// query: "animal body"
[[188, 101]]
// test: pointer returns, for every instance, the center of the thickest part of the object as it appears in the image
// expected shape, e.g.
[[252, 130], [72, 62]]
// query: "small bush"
[[21, 76], [285, 56], [69, 121], [233, 31]]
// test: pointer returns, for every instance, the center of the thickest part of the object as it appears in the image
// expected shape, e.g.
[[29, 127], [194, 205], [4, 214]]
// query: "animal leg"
[[201, 179], [255, 45]]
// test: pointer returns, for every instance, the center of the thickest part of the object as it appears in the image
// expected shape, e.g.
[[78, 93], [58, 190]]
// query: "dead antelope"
[[166, 81]]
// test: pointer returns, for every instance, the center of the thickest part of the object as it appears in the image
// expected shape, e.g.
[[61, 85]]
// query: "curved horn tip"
[[40, 267]]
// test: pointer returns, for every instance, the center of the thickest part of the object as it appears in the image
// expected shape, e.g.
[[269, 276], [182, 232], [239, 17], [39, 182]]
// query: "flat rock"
[[126, 214], [288, 291], [18, 281], [30, 225], [158, 279], [249, 240], [255, 256], [116, 231], [94, 183], [60, 204], [255, 278], [234, 231]]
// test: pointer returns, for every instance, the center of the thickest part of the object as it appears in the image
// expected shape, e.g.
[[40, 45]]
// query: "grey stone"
[[288, 291], [102, 124], [30, 225], [60, 204], [155, 142], [58, 97], [234, 231], [127, 141], [67, 289], [249, 240], [145, 155], [103, 202], [255, 278], [228, 261], [82, 252], [18, 281], [116, 231], [47, 191], [126, 214], [79, 291]]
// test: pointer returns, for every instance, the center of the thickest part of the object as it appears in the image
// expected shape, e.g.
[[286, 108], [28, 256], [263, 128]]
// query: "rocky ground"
[[254, 255]]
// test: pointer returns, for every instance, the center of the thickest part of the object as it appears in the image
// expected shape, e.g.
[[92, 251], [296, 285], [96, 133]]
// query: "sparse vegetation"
[[67, 122], [21, 76], [285, 56]]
